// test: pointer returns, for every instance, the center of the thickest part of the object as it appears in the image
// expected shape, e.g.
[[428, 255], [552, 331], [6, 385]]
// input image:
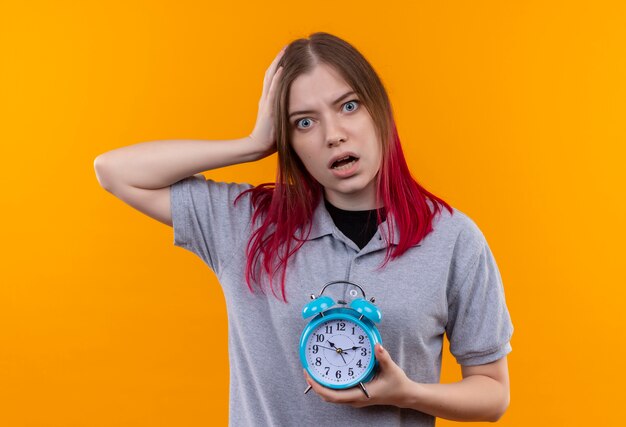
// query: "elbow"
[[501, 408], [101, 174]]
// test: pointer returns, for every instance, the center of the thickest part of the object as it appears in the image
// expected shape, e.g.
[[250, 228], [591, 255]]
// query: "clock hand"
[[323, 346], [339, 350]]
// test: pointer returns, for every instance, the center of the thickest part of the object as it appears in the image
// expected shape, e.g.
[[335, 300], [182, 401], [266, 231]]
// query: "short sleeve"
[[206, 221], [479, 326]]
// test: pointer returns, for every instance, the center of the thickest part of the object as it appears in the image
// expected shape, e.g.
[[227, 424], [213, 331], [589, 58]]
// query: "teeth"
[[346, 166], [341, 159]]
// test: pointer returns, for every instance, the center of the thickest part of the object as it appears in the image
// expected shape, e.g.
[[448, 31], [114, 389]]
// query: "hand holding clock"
[[390, 386]]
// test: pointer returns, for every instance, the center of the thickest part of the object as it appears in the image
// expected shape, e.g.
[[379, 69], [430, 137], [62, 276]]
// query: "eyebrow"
[[334, 102]]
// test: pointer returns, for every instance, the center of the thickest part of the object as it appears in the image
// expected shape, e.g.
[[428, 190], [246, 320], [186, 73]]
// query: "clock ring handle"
[[341, 281]]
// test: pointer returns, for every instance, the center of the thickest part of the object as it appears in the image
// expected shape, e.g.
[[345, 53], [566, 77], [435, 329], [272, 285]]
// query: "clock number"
[[327, 369], [318, 361], [359, 364], [315, 349], [363, 351], [329, 329], [361, 338], [338, 374], [341, 326], [353, 330], [350, 372], [320, 337]]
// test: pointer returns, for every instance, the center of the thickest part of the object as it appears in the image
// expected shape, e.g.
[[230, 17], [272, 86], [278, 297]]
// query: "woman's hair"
[[285, 208]]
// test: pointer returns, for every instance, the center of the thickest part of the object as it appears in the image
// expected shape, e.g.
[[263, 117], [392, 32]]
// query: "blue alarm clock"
[[337, 345]]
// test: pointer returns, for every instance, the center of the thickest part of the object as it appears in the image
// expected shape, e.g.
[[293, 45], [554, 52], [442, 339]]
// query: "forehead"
[[323, 85]]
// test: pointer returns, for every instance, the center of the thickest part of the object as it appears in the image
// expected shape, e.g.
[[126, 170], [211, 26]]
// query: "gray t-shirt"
[[449, 283]]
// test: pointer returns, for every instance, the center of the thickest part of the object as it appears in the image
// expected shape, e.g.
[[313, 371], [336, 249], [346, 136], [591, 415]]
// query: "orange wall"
[[511, 111]]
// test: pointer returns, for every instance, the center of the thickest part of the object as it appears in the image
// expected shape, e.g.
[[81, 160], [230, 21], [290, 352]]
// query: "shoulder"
[[199, 180], [458, 227], [204, 194], [198, 184], [456, 239]]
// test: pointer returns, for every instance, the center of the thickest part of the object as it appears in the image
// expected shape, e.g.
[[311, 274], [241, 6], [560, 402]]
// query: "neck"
[[351, 202]]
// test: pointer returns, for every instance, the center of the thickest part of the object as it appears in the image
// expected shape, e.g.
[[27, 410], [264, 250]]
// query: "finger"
[[317, 388], [349, 396], [274, 83], [278, 56], [382, 356], [271, 71], [272, 68], [269, 78]]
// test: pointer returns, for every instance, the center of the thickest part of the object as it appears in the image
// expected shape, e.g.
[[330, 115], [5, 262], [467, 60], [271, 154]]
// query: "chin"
[[351, 188]]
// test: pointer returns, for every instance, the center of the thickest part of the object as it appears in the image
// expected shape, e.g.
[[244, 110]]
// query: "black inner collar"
[[358, 226]]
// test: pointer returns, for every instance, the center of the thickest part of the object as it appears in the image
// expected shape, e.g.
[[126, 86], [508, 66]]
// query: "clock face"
[[338, 352]]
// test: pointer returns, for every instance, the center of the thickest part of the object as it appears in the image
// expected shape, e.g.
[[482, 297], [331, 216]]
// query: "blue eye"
[[352, 101], [298, 121]]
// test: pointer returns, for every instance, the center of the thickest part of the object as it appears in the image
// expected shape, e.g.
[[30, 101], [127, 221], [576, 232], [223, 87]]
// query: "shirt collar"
[[322, 224]]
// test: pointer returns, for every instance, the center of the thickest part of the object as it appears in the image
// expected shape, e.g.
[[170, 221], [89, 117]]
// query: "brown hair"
[[287, 206], [300, 57]]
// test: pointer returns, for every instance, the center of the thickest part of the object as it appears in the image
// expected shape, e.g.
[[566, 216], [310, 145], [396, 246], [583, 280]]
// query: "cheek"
[[297, 148], [377, 158], [303, 155], [303, 149], [306, 157]]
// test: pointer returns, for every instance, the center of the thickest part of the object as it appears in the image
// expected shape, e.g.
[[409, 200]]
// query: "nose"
[[335, 135], [335, 141]]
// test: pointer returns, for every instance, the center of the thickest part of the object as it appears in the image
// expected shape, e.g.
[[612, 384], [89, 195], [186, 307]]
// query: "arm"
[[158, 164], [482, 394], [141, 174]]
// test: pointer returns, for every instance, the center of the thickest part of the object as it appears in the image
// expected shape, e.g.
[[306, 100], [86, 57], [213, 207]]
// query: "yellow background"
[[512, 111]]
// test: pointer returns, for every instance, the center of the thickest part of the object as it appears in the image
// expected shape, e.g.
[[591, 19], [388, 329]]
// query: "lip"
[[341, 156], [345, 173]]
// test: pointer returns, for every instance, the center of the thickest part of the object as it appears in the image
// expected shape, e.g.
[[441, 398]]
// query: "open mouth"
[[344, 163]]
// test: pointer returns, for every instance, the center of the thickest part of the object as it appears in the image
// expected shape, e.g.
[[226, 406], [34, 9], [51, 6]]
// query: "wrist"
[[258, 151], [412, 394]]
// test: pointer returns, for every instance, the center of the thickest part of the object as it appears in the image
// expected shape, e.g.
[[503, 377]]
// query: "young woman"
[[344, 207]]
